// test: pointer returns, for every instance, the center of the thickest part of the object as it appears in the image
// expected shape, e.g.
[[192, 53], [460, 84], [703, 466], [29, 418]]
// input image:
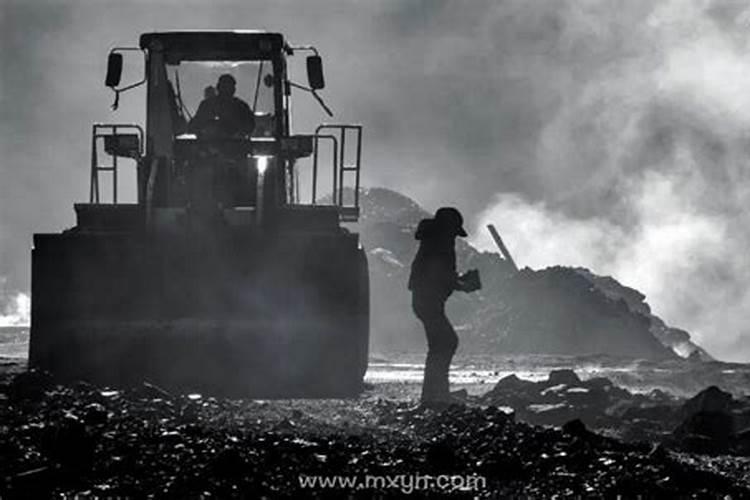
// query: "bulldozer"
[[218, 276]]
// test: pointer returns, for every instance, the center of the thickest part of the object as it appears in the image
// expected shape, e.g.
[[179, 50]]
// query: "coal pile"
[[676, 339], [597, 402], [558, 310], [711, 422], [144, 441]]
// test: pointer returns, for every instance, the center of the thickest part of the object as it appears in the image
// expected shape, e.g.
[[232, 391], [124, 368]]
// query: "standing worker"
[[433, 278]]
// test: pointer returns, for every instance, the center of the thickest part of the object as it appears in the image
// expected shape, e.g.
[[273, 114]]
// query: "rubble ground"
[[144, 441]]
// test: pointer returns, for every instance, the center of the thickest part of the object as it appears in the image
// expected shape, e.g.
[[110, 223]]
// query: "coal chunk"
[[564, 376]]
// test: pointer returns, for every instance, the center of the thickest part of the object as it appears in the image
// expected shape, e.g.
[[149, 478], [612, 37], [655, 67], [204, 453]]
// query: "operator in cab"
[[223, 115]]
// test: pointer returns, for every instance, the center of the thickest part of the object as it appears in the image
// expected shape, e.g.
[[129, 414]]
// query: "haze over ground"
[[607, 134]]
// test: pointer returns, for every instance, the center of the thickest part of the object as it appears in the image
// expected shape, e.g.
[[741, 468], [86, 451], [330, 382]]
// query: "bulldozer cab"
[[229, 273]]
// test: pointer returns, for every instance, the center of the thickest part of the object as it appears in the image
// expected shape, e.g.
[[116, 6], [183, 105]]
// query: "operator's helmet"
[[450, 219]]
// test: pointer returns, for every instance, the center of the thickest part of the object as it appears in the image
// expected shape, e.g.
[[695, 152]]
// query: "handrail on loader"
[[128, 145], [348, 213]]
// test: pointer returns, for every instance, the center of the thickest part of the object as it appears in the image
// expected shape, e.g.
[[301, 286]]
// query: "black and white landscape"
[[606, 140]]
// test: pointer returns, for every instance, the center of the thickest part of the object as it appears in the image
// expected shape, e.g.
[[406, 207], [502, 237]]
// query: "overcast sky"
[[606, 134]]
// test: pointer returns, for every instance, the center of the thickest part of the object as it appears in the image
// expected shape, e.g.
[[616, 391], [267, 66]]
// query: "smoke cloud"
[[17, 312], [15, 308], [609, 134], [644, 168]]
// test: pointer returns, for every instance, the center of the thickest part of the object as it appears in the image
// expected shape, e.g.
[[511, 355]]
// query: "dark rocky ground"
[[143, 441]]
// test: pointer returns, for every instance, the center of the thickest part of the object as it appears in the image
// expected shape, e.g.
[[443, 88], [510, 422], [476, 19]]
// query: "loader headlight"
[[261, 163]]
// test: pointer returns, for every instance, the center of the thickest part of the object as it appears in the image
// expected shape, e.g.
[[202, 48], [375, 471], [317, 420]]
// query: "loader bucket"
[[244, 315]]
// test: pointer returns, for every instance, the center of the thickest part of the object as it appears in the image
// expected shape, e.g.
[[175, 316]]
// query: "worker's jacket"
[[223, 117], [433, 271]]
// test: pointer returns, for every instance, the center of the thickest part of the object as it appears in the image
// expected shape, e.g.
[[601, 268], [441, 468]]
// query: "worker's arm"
[[248, 119]]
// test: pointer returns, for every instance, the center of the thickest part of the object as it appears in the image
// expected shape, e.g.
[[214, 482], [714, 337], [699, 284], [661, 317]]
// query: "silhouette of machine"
[[218, 278]]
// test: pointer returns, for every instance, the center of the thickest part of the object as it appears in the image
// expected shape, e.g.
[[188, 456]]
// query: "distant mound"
[[557, 310]]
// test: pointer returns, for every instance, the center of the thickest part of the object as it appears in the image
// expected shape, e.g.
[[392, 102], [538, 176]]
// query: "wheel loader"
[[227, 272]]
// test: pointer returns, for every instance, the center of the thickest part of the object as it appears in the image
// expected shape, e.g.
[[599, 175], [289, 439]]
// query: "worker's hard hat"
[[450, 218]]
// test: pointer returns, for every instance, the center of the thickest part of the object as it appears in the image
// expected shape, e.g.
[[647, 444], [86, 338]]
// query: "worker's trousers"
[[441, 344]]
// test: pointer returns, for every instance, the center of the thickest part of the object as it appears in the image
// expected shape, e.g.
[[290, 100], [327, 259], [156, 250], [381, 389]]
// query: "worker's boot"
[[435, 389]]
